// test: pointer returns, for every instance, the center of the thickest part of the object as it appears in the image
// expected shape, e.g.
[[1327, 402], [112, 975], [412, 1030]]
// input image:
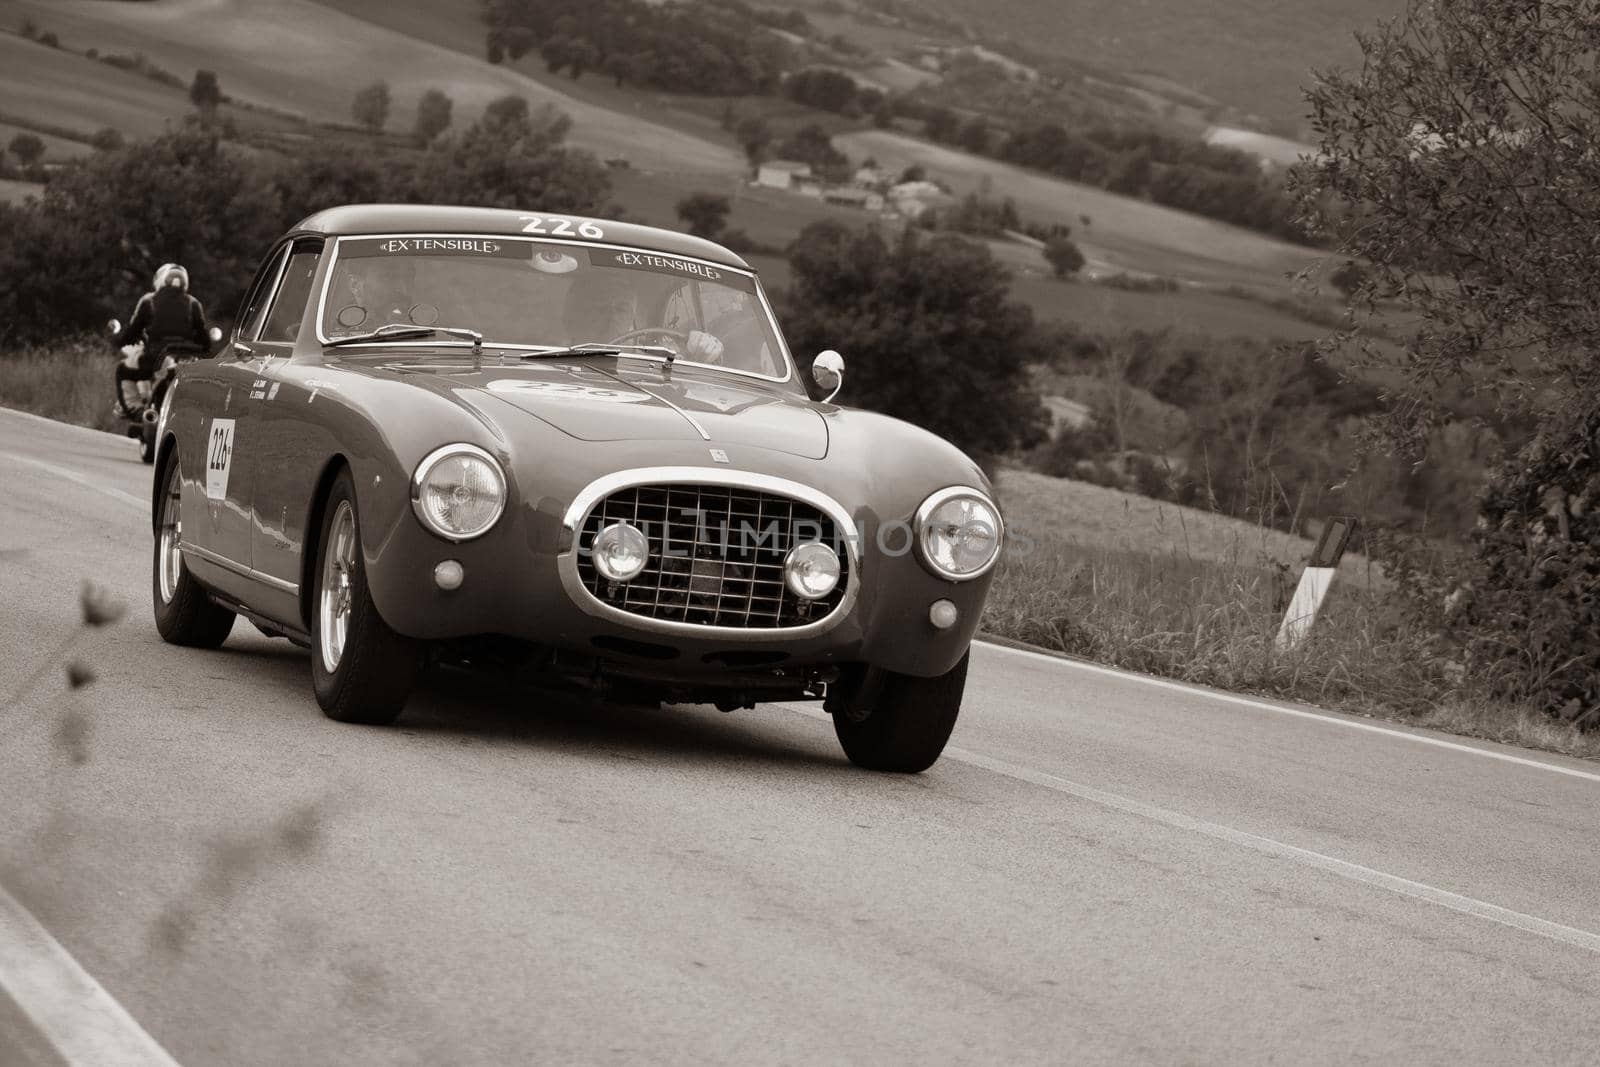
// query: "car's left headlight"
[[959, 531], [458, 492]]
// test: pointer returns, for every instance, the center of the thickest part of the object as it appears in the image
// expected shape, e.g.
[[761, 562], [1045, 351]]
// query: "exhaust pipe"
[[151, 415]]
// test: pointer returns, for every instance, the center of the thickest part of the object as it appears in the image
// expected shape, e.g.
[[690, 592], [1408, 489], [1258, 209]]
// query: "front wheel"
[[899, 722], [362, 671], [185, 615]]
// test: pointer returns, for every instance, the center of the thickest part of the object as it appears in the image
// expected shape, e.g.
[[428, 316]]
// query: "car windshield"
[[525, 293]]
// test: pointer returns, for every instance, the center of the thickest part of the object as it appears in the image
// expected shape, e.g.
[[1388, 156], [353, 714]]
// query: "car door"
[[281, 482], [217, 519]]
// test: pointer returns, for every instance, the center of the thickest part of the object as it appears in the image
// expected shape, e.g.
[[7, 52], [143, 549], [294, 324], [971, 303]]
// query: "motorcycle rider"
[[164, 316]]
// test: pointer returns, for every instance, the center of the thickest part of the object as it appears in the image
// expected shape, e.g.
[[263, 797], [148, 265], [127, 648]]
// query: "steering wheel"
[[658, 331]]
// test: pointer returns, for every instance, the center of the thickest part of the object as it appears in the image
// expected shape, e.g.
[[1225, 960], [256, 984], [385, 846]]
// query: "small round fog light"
[[943, 614], [448, 575], [812, 570], [620, 552]]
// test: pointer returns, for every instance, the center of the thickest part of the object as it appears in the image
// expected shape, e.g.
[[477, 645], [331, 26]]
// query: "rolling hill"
[[306, 58], [1250, 54]]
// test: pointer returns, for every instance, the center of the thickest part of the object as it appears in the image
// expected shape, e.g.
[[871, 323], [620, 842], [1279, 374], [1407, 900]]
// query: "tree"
[[754, 136], [1462, 162], [433, 116], [370, 107], [205, 92], [28, 149], [89, 244], [506, 111], [824, 88], [1063, 255], [942, 124], [108, 139], [706, 214], [811, 144], [928, 327], [511, 158]]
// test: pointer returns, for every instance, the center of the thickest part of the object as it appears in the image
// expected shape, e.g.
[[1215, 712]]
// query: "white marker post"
[[1315, 581]]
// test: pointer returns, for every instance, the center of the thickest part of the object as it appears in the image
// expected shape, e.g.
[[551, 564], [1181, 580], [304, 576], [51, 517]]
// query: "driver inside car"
[[383, 291], [603, 306]]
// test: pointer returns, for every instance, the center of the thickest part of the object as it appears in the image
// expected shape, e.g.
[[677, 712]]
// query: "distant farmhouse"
[[867, 190]]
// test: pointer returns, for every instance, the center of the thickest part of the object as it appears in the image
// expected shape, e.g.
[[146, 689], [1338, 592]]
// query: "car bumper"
[[517, 583]]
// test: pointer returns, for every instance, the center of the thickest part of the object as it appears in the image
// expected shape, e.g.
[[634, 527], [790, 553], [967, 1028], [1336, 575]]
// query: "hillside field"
[[309, 59], [1253, 55]]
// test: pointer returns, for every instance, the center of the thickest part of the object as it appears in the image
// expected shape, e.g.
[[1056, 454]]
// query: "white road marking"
[[1354, 872], [1341, 868], [1262, 705], [74, 1014], [74, 476]]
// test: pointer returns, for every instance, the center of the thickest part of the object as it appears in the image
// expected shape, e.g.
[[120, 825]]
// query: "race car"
[[457, 437]]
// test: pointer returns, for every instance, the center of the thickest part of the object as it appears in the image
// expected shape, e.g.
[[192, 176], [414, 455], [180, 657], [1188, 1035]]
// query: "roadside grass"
[[69, 382], [1198, 598]]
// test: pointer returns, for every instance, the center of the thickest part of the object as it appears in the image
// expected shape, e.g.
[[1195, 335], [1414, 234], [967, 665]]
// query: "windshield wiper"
[[600, 348], [403, 331]]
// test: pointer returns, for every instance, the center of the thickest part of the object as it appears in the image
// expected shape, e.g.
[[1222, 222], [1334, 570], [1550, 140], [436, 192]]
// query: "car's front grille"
[[716, 555]]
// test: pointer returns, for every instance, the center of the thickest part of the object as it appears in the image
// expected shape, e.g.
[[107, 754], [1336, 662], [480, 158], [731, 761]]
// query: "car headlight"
[[958, 533], [621, 551], [458, 492], [811, 570]]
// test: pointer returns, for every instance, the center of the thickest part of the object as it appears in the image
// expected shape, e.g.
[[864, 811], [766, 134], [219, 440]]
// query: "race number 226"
[[555, 226], [219, 458]]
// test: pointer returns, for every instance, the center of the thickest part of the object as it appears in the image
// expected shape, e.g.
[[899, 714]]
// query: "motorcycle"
[[143, 397]]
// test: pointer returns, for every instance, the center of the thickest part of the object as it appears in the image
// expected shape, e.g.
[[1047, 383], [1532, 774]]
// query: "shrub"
[[433, 116], [1064, 256], [28, 149], [370, 107], [705, 214], [205, 92]]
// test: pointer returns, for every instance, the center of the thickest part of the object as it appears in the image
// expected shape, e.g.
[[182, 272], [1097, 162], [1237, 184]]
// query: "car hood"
[[607, 400]]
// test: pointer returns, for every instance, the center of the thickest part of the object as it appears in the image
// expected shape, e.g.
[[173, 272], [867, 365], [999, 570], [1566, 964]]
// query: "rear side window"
[[288, 307], [256, 308]]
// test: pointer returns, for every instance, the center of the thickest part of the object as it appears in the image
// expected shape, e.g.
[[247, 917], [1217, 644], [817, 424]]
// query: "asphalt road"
[[1100, 869]]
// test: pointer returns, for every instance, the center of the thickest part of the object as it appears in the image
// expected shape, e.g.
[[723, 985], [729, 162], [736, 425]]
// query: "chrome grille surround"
[[703, 589]]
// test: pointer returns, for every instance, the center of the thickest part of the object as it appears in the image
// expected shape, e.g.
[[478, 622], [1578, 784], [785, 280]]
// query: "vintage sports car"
[[574, 447]]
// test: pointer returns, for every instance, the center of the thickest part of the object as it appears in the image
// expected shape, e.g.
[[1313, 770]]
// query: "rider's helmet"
[[171, 275], [601, 305]]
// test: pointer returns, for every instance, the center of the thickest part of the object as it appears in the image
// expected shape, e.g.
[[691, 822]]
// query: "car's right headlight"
[[458, 492], [958, 533]]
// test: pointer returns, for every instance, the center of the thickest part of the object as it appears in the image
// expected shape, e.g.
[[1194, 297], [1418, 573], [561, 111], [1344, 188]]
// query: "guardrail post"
[[1315, 581]]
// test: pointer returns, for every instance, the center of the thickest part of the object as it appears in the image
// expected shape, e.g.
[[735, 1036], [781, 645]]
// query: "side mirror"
[[215, 334], [827, 370], [113, 326]]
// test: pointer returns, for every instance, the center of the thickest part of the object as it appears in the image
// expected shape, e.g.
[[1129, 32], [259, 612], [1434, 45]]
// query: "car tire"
[[147, 445], [362, 671], [185, 613], [904, 721]]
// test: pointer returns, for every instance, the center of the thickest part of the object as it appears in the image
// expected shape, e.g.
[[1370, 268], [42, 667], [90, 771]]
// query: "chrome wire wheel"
[[334, 591], [169, 556]]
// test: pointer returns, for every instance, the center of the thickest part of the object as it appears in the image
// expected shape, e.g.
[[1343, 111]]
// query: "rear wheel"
[[185, 615], [362, 671], [899, 722], [147, 444]]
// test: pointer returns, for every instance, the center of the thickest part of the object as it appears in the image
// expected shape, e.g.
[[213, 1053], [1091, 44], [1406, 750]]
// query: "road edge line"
[[1331, 718], [73, 1013], [62, 423]]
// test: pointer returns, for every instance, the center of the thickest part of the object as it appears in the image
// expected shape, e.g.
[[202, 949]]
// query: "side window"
[[288, 307], [256, 305]]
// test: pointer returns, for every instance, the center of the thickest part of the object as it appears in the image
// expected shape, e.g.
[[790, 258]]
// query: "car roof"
[[353, 219]]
